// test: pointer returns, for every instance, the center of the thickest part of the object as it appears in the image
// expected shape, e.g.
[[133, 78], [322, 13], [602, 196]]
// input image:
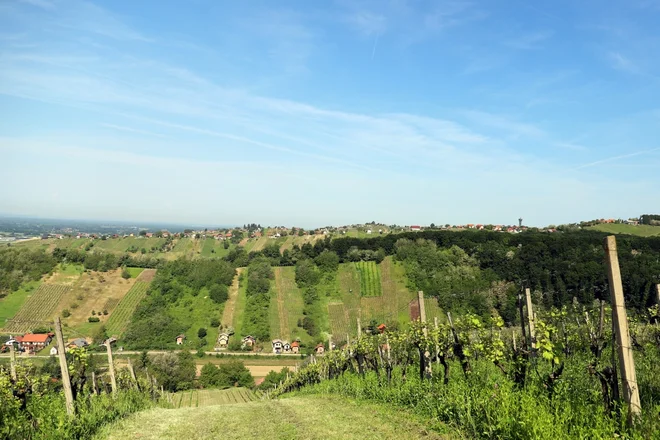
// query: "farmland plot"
[[369, 273], [37, 309], [340, 325], [122, 314]]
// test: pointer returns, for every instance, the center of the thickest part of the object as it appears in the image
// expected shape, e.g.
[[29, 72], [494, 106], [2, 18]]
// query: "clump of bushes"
[[93, 319]]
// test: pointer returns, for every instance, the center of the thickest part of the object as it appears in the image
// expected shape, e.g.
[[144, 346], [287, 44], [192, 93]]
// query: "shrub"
[[105, 311], [218, 293], [93, 313], [215, 322], [66, 313], [201, 332], [125, 274], [93, 319]]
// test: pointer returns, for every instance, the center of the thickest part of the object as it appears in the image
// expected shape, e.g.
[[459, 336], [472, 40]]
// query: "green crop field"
[[122, 314], [37, 309], [369, 273], [396, 294], [619, 228], [13, 302], [293, 301]]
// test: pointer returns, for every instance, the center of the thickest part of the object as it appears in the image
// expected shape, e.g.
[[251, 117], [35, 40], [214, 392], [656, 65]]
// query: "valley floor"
[[307, 417]]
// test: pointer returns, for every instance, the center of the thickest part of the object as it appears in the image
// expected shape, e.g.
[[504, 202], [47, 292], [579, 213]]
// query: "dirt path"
[[230, 305], [281, 308]]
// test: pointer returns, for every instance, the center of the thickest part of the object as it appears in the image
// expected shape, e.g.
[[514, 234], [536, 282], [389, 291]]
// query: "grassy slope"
[[640, 230], [309, 417], [197, 311], [10, 304], [239, 307]]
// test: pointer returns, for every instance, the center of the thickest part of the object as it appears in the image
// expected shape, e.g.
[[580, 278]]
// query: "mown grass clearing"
[[37, 309], [369, 273], [302, 417], [618, 228], [134, 272], [197, 398], [208, 248]]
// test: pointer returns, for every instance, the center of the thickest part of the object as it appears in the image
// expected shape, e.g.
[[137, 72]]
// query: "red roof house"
[[35, 341]]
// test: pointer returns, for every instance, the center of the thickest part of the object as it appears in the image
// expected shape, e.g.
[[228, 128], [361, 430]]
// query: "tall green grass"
[[487, 404]]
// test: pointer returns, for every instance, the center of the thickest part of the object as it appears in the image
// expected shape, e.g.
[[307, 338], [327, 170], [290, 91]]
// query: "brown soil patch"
[[94, 291], [230, 305], [147, 275]]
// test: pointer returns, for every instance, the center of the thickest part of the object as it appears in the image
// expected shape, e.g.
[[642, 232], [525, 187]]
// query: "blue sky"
[[330, 112]]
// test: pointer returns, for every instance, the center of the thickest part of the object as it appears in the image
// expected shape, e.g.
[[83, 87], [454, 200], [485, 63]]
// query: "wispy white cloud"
[[621, 62], [44, 4], [529, 41], [615, 158], [131, 130], [368, 23]]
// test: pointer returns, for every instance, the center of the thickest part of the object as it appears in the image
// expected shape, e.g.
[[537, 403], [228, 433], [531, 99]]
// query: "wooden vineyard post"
[[111, 368], [12, 362], [437, 348], [601, 322], [422, 309], [424, 355], [359, 327], [132, 371], [522, 319], [530, 318], [61, 354], [329, 342], [94, 389], [620, 324], [657, 291]]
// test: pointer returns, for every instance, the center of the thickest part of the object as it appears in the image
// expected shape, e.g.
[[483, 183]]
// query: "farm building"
[[295, 347], [286, 347], [53, 351], [415, 228], [278, 346], [180, 339], [248, 341], [78, 343], [223, 340], [319, 349], [34, 342], [381, 328]]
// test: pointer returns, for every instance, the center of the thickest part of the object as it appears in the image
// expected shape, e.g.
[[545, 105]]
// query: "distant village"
[[257, 231]]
